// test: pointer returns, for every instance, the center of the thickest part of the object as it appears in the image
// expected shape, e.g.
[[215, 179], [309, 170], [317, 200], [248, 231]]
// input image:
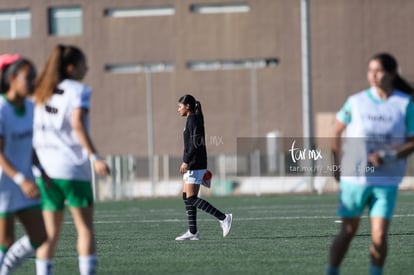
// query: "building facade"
[[241, 59]]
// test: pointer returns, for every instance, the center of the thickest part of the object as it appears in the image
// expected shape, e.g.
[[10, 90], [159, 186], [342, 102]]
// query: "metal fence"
[[242, 174]]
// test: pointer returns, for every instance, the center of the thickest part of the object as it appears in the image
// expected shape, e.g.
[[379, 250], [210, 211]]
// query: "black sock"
[[191, 215], [206, 207]]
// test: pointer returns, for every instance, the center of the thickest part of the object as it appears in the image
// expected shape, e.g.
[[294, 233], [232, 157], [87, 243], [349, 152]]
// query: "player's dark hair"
[[390, 65], [11, 70], [55, 70], [195, 105]]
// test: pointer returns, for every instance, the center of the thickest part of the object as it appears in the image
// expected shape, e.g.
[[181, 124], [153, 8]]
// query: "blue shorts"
[[353, 198], [194, 176]]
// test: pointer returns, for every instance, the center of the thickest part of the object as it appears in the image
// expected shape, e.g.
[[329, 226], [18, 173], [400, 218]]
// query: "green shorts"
[[353, 198], [75, 193]]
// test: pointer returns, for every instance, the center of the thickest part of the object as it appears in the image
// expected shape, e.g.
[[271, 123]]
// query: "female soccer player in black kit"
[[194, 167]]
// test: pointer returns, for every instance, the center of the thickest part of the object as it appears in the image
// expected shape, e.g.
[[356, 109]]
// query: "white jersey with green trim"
[[16, 129], [374, 124], [57, 146]]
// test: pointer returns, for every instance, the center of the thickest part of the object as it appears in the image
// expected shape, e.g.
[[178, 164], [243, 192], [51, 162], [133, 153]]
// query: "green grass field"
[[280, 234]]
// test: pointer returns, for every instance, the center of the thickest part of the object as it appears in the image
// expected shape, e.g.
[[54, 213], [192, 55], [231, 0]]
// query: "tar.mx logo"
[[216, 140], [303, 154], [200, 140]]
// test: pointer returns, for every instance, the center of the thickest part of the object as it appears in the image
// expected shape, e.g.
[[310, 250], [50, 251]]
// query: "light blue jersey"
[[16, 129], [375, 124]]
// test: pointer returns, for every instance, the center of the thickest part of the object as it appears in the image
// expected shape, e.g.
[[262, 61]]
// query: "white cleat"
[[226, 224], [188, 236]]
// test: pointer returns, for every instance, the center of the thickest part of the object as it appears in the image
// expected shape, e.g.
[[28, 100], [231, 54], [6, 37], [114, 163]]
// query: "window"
[[232, 64], [15, 24], [140, 67], [220, 8], [65, 21], [138, 12]]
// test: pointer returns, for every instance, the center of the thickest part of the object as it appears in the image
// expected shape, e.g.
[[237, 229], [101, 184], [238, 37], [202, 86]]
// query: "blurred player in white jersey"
[[65, 150], [379, 124], [19, 195]]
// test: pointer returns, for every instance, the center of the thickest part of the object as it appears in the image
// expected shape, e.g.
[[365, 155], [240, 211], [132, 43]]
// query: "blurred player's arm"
[[403, 151], [39, 171], [406, 149], [336, 146], [385, 156], [78, 124], [28, 187]]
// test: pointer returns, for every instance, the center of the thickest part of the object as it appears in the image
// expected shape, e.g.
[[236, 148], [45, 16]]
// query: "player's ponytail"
[[50, 76], [55, 70], [199, 111], [390, 65], [402, 85]]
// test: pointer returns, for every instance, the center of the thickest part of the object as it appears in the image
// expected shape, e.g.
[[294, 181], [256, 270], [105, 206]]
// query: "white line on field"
[[236, 219]]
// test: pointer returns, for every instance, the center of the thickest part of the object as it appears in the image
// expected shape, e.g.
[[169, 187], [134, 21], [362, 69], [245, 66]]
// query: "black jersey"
[[195, 153]]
